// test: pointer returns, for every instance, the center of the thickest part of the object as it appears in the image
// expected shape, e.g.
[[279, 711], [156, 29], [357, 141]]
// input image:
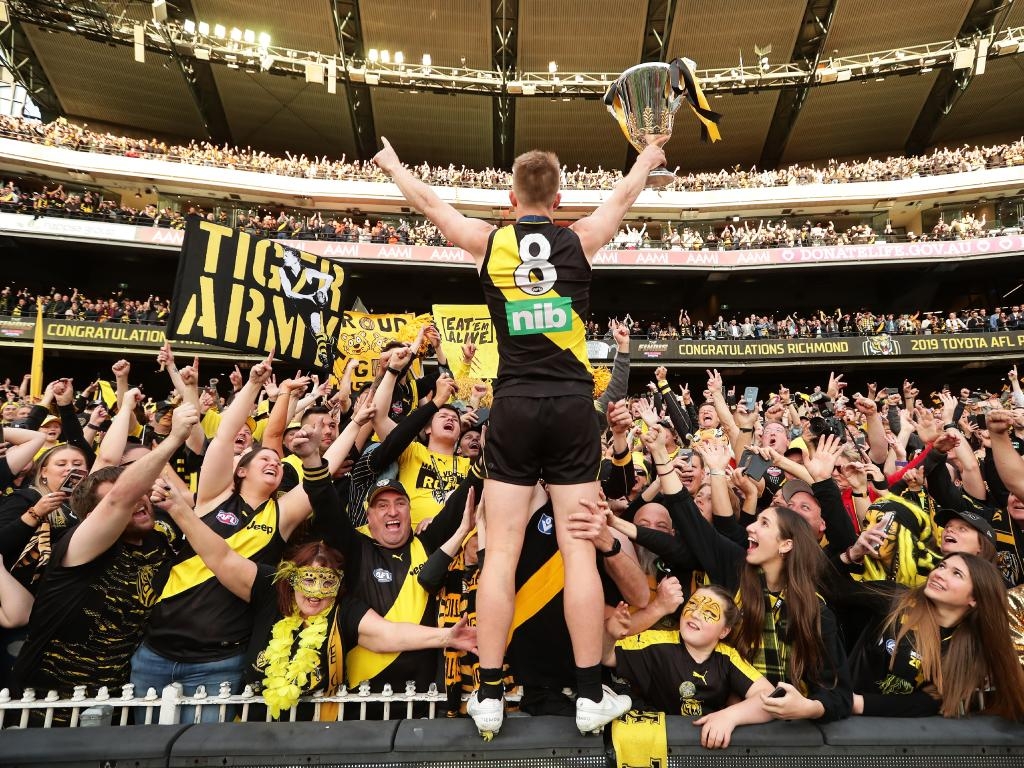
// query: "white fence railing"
[[106, 709]]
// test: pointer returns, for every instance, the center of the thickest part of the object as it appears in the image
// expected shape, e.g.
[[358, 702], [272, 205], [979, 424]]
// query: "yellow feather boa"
[[287, 675]]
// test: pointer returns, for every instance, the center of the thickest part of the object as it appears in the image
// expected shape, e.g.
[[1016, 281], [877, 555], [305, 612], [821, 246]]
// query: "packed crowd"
[[822, 324], [54, 200], [871, 540], [116, 308], [318, 226], [81, 138], [733, 236]]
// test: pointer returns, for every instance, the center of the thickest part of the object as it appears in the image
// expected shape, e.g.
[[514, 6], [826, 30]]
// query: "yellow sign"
[[462, 323]]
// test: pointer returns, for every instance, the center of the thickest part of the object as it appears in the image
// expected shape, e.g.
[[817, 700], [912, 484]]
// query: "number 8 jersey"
[[536, 282]]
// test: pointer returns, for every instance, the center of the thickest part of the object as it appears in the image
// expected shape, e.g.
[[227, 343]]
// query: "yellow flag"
[[36, 388]]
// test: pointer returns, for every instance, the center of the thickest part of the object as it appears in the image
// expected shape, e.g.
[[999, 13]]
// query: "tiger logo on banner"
[[237, 291]]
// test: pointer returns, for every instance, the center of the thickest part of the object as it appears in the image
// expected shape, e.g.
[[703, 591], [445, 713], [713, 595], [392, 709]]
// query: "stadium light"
[[399, 58], [249, 36], [189, 26], [552, 67], [264, 40], [385, 56], [219, 31], [236, 34], [204, 29], [373, 56]]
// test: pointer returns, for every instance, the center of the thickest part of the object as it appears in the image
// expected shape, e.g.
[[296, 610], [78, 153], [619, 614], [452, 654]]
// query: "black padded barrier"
[[367, 743], [130, 747], [539, 742]]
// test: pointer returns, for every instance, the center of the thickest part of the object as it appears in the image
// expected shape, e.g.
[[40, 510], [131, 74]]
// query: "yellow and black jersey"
[[387, 583], [667, 679], [429, 478], [536, 282], [88, 619], [197, 619]]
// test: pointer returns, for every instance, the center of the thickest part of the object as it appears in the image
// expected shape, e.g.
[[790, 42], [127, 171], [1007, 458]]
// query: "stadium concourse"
[[256, 397]]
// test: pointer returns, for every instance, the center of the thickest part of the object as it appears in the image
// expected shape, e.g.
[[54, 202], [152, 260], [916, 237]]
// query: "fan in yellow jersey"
[[536, 280]]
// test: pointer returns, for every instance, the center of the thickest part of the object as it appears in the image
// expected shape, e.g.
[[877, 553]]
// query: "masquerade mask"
[[703, 607], [313, 581]]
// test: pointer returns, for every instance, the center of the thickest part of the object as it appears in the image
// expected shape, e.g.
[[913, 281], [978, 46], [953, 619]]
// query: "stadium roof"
[[89, 77]]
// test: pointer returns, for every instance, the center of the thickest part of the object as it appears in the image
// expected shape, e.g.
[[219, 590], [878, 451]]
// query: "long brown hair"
[[311, 553], [801, 568], [980, 651]]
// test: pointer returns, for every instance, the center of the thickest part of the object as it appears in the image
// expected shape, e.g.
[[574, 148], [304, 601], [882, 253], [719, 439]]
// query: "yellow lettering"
[[283, 326], [208, 309], [215, 233], [252, 319], [241, 256], [234, 313], [188, 317], [259, 262]]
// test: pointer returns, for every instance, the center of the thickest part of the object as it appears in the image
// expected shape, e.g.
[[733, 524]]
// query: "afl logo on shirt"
[[546, 524], [228, 518], [383, 576]]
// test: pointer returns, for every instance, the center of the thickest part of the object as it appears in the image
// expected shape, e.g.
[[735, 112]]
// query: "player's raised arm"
[[469, 234], [597, 230]]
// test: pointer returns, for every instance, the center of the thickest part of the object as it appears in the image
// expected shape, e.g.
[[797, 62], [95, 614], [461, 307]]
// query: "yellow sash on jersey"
[[247, 541], [505, 246], [362, 664], [295, 463], [538, 591], [640, 739], [335, 669]]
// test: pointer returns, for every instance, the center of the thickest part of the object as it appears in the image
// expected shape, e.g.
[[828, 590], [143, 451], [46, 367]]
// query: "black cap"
[[386, 485], [973, 519]]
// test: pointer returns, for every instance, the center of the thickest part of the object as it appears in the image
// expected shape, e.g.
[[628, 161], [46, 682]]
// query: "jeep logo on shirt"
[[539, 316]]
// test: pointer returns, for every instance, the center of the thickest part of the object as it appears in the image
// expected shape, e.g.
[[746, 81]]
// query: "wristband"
[[716, 472], [857, 495], [951, 425], [747, 430], [394, 372], [616, 548]]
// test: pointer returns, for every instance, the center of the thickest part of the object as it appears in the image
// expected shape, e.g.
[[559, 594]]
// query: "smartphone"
[[730, 398], [778, 693], [887, 520], [482, 414], [981, 421], [685, 454], [75, 476], [750, 398], [754, 465]]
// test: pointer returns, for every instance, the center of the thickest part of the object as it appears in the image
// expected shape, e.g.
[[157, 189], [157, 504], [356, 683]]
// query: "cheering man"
[[536, 280]]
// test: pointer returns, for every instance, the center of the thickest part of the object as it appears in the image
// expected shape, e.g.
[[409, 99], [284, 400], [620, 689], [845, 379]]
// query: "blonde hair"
[[535, 178]]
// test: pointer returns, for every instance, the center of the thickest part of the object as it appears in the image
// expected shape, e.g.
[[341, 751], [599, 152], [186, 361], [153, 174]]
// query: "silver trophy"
[[644, 99]]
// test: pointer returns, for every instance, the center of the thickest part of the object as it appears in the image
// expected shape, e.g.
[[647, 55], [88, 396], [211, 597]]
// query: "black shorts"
[[542, 438]]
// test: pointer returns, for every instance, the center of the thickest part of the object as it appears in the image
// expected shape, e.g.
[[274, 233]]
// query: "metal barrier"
[[165, 709]]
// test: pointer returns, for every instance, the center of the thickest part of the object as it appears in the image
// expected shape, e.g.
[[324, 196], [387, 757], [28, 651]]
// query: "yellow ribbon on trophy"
[[691, 90]]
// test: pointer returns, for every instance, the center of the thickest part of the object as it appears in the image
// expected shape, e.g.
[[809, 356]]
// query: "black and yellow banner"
[[866, 348], [237, 291]]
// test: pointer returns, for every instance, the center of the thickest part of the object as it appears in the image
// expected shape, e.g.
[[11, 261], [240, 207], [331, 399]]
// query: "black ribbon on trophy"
[[644, 99]]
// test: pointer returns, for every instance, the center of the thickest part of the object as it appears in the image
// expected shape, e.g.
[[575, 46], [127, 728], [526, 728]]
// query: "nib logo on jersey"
[[539, 316]]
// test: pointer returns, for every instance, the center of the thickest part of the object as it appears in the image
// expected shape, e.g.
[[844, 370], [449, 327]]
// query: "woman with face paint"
[[303, 622], [692, 671]]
